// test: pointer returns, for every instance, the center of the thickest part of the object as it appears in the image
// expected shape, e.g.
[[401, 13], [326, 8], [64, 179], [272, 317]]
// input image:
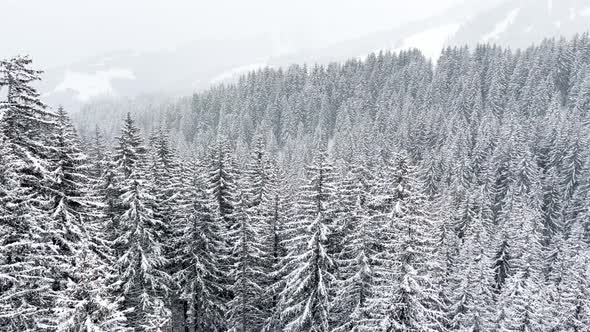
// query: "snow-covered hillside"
[[236, 72], [514, 23], [520, 23], [89, 85], [430, 41]]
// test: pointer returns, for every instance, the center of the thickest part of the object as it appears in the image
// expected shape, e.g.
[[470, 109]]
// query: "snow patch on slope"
[[430, 41], [501, 26], [88, 85], [3, 94], [236, 72]]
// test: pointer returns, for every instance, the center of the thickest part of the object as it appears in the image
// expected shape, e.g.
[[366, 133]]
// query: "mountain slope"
[[197, 66], [520, 23]]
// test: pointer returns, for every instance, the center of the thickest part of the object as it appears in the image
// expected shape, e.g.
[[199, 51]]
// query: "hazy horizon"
[[58, 32]]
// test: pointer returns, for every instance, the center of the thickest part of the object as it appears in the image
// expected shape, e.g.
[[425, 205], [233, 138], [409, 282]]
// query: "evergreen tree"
[[201, 250], [165, 177], [222, 186], [141, 279], [350, 306], [305, 302], [569, 304], [28, 265], [129, 150], [473, 298], [276, 212], [245, 309], [83, 302], [98, 154], [88, 305], [410, 299]]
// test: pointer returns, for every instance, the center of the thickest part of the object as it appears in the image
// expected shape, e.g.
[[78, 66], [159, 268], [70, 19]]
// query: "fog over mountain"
[[196, 65]]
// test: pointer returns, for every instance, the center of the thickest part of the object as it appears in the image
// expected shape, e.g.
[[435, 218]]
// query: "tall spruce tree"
[[27, 261], [141, 279], [246, 308], [473, 296], [201, 253], [410, 299], [83, 302], [305, 302], [222, 186], [350, 307], [275, 211]]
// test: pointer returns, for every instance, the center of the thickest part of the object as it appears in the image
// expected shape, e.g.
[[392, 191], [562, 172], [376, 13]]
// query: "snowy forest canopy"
[[379, 195]]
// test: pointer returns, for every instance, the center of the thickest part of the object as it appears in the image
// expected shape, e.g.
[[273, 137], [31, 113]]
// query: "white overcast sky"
[[58, 32]]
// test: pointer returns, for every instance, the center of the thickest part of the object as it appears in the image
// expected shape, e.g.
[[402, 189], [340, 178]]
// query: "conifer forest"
[[391, 193]]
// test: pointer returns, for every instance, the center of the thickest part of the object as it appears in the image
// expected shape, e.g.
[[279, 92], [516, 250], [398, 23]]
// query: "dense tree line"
[[378, 195]]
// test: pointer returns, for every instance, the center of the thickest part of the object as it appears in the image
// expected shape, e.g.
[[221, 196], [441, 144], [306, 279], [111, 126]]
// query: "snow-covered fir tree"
[[407, 298], [305, 302], [201, 250], [29, 270], [83, 302], [245, 310], [141, 277], [355, 285]]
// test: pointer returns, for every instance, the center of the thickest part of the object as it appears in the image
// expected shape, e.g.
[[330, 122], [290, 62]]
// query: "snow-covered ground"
[[430, 41], [88, 85], [236, 72], [501, 26]]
